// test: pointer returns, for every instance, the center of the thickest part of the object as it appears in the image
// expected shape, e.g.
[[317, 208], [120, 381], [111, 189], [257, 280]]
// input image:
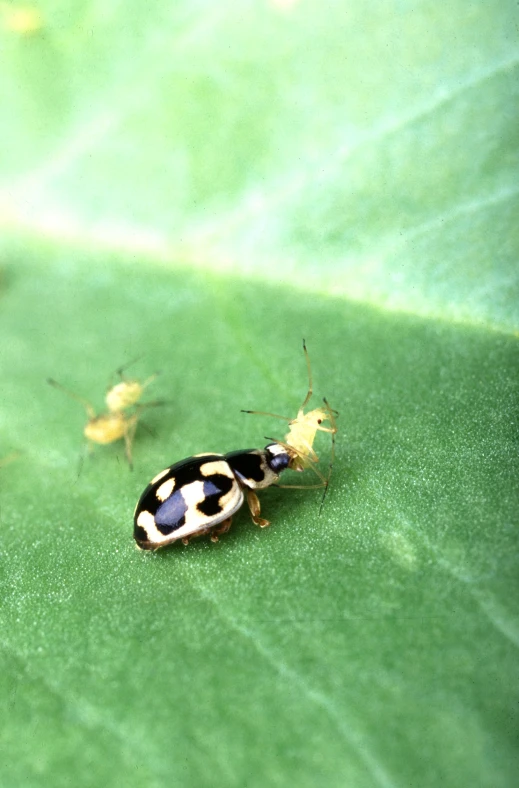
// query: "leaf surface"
[[201, 186]]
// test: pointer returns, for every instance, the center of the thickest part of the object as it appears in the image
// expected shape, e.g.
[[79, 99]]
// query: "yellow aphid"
[[109, 427], [117, 423], [301, 434], [126, 393]]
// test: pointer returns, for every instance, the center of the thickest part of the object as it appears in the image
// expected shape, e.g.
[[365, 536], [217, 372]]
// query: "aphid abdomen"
[[123, 395], [106, 428]]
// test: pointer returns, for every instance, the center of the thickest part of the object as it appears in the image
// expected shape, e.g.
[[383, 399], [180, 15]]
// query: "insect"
[[302, 430], [120, 420], [126, 393], [200, 495]]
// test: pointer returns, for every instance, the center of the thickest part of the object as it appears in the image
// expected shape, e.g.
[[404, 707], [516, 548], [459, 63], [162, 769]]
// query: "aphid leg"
[[307, 458], [332, 430], [143, 406], [148, 429], [306, 463], [309, 453], [331, 416], [323, 481], [149, 380], [221, 529], [87, 406], [255, 508], [300, 486], [129, 434], [87, 448]]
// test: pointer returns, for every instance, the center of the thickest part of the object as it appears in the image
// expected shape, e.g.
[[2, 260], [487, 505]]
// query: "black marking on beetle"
[[247, 464], [184, 472], [141, 537], [215, 487], [210, 506], [171, 513]]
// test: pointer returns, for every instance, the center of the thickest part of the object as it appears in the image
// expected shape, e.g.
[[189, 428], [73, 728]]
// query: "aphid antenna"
[[81, 462], [119, 371], [264, 413], [87, 406], [310, 383], [305, 401]]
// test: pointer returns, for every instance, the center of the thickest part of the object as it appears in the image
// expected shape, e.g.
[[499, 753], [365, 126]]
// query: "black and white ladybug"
[[199, 495]]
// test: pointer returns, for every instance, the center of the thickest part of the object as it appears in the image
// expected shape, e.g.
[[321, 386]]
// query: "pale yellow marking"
[[193, 494], [165, 489], [205, 454], [146, 520], [229, 500], [218, 466], [159, 476]]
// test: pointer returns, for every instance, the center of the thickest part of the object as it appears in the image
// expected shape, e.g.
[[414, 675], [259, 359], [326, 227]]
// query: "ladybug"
[[199, 495]]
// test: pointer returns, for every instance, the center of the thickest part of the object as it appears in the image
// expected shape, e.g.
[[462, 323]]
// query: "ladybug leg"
[[254, 506], [221, 529]]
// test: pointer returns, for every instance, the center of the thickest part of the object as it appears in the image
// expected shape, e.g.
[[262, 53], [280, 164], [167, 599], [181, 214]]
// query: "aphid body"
[[126, 393], [301, 436], [119, 422], [302, 430], [109, 427], [200, 494]]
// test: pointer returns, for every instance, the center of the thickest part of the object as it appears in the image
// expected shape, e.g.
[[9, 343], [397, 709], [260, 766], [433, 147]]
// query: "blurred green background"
[[201, 185]]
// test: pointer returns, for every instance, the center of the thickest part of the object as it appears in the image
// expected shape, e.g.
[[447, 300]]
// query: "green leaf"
[[201, 186]]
